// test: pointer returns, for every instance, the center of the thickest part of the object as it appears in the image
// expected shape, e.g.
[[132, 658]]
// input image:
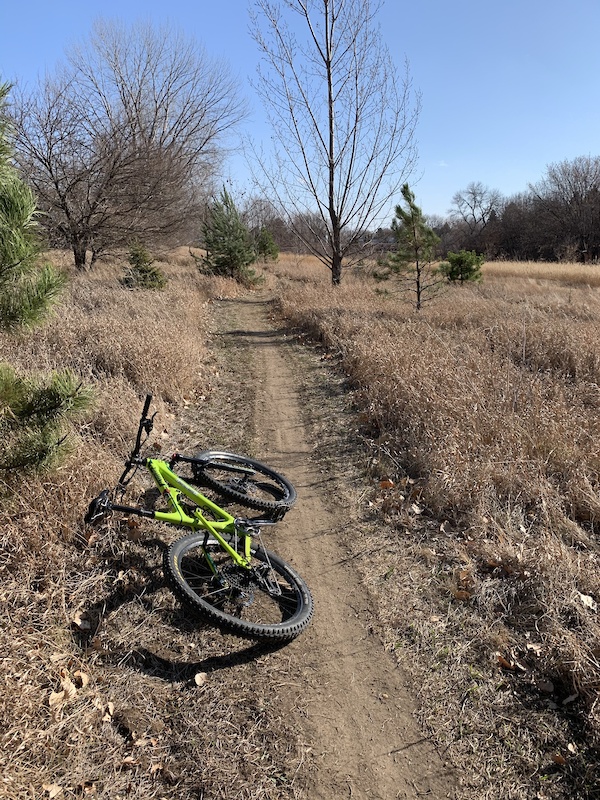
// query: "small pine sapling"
[[266, 248], [142, 272], [462, 266], [416, 247], [35, 417], [228, 243]]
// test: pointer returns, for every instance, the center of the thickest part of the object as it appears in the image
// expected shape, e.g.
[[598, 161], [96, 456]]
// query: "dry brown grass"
[[98, 666], [480, 417], [565, 274]]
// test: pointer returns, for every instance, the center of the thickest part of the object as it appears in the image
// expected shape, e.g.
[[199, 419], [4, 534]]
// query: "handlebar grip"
[[147, 405]]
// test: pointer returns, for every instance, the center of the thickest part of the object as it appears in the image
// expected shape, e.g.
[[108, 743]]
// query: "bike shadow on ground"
[[179, 624], [180, 671]]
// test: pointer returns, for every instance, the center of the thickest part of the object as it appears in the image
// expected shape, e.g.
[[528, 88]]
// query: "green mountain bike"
[[220, 569]]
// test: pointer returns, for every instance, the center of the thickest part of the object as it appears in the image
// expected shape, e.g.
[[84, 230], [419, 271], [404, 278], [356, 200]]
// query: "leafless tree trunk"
[[570, 193], [343, 121], [118, 142]]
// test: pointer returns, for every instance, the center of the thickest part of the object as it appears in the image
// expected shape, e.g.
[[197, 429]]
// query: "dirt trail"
[[356, 718]]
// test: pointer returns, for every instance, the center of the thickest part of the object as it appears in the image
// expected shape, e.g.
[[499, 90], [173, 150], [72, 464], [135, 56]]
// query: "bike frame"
[[171, 487]]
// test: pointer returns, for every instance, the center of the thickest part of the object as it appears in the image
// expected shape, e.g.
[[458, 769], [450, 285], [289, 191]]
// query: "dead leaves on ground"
[[141, 752], [69, 687]]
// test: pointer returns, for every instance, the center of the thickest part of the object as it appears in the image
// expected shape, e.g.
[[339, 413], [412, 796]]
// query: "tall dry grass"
[[100, 695], [481, 419]]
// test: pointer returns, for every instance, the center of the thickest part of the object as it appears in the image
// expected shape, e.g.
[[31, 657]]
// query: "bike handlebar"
[[147, 402], [145, 425]]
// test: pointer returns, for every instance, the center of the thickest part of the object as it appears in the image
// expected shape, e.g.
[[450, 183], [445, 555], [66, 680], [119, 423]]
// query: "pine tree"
[[143, 272], [33, 411], [228, 243], [416, 245], [266, 248], [27, 290], [463, 266]]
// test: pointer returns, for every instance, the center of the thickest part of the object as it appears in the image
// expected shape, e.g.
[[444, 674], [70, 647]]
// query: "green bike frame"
[[221, 527]]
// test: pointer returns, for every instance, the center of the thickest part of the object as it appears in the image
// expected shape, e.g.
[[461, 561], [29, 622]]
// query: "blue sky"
[[507, 87]]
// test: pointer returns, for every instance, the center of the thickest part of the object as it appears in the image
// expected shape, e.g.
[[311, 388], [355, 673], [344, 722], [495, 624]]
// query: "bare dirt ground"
[[343, 691]]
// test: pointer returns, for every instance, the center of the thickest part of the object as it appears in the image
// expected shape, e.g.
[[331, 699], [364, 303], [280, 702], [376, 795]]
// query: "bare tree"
[[118, 141], [474, 209], [343, 121], [569, 193]]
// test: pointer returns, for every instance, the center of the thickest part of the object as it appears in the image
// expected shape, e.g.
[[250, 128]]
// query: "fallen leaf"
[[462, 594], [52, 789], [81, 678], [145, 741], [200, 678], [56, 698], [81, 620], [108, 712], [504, 663], [67, 684], [588, 601], [558, 759]]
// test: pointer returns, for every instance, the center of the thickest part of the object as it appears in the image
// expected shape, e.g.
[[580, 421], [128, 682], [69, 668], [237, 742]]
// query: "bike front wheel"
[[268, 601], [244, 480]]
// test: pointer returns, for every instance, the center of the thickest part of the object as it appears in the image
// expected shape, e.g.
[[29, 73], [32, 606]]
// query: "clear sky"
[[507, 87]]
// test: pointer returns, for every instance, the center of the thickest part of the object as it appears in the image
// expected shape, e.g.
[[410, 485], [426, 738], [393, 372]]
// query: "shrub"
[[462, 266], [142, 273]]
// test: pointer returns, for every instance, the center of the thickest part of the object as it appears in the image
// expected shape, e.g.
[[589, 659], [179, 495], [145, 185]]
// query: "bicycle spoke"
[[268, 600]]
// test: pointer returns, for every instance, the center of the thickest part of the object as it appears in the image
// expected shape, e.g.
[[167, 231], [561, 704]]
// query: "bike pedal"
[[98, 508]]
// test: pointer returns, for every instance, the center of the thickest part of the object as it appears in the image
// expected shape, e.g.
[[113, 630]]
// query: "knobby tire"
[[235, 601], [263, 490]]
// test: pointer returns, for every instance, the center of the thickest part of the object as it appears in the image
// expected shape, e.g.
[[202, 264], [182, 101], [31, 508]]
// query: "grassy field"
[[100, 695], [478, 427], [479, 415]]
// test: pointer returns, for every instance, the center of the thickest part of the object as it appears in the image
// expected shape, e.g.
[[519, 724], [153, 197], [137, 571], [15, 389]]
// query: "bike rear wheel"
[[269, 601], [244, 480]]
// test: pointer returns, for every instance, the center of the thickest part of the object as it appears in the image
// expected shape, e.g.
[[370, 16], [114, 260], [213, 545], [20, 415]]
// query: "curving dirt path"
[[349, 697]]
